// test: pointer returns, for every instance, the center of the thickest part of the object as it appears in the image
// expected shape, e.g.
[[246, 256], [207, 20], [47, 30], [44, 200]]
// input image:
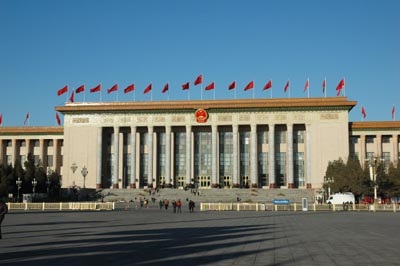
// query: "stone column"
[[235, 140], [133, 158], [99, 157], [253, 156], [308, 156], [150, 156], [214, 143], [362, 150], [168, 156], [395, 149], [42, 153], [188, 154], [14, 151], [2, 152], [55, 154], [289, 143], [116, 158], [27, 148], [379, 145], [271, 156]]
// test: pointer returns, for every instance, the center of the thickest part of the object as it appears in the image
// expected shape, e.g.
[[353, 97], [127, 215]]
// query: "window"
[[354, 139], [386, 139], [369, 139]]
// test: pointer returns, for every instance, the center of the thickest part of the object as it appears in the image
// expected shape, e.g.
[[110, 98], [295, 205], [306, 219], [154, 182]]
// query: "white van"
[[340, 198]]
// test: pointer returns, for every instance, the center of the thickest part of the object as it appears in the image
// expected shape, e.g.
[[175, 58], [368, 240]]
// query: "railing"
[[62, 206], [229, 206]]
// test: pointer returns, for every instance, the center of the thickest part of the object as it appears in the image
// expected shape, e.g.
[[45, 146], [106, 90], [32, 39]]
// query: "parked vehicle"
[[340, 198]]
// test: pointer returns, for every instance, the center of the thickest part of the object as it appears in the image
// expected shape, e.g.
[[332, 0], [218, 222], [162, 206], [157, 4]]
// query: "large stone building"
[[210, 143]]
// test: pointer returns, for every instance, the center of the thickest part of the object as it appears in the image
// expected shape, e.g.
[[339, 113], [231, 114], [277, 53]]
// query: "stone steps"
[[210, 195]]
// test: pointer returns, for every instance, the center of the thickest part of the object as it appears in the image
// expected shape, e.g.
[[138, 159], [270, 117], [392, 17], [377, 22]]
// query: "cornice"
[[288, 104], [374, 125], [26, 130]]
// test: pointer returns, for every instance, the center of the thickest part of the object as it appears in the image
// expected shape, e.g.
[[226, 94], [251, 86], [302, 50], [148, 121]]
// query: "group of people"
[[176, 205]]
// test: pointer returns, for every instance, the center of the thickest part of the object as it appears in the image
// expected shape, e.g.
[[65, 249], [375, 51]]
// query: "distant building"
[[204, 143]]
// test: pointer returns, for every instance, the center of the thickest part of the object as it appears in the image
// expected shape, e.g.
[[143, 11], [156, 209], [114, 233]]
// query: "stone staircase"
[[209, 195]]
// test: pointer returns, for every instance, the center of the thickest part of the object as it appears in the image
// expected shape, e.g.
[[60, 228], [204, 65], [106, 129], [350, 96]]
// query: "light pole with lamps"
[[73, 168], [48, 182], [19, 184], [84, 173], [373, 165], [329, 181], [34, 183]]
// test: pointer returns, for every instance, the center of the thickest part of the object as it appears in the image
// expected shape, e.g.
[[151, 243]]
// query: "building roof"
[[239, 104], [26, 130], [374, 125]]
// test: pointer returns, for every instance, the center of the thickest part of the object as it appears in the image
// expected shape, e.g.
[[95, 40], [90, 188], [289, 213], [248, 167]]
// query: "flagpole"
[[201, 86], [325, 87], [84, 93], [253, 91], [308, 89], [289, 87], [271, 92], [214, 92], [344, 87], [134, 95], [100, 92]]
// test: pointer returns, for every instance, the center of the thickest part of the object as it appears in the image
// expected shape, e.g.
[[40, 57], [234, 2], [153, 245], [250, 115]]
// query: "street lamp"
[[373, 165], [84, 173], [34, 183], [48, 182], [329, 181], [19, 183], [73, 168]]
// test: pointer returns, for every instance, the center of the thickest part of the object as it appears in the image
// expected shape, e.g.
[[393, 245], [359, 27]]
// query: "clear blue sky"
[[46, 44]]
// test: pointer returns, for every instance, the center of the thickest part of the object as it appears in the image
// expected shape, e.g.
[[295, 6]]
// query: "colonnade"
[[169, 159]]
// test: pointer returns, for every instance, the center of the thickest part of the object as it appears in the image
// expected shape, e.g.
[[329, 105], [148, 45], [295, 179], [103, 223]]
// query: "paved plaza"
[[158, 237]]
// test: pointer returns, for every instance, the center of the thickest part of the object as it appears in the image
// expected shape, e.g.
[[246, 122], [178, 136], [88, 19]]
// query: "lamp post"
[[48, 182], [373, 165], [84, 173], [34, 183], [73, 168], [329, 181], [19, 183]]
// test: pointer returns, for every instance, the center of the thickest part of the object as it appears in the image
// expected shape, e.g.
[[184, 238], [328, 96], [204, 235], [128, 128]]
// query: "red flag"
[[232, 85], [198, 80], [63, 90], [165, 89], [339, 87], [1, 119], [249, 86], [210, 86], [307, 85], [393, 112], [96, 89], [80, 89], [58, 119], [268, 85], [323, 85], [185, 86], [286, 86], [72, 97], [26, 118], [364, 114], [148, 89], [129, 88], [113, 88]]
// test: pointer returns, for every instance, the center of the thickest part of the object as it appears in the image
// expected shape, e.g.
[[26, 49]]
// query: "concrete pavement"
[[158, 237]]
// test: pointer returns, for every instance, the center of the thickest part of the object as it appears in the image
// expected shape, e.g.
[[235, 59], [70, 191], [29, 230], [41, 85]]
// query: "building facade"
[[216, 143]]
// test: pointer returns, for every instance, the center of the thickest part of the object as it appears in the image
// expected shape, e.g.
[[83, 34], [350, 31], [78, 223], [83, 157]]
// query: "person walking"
[[3, 212]]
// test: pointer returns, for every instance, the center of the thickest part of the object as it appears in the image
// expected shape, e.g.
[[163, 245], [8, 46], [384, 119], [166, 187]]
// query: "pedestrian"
[[3, 212], [191, 206], [174, 205], [179, 205], [166, 203], [161, 204]]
